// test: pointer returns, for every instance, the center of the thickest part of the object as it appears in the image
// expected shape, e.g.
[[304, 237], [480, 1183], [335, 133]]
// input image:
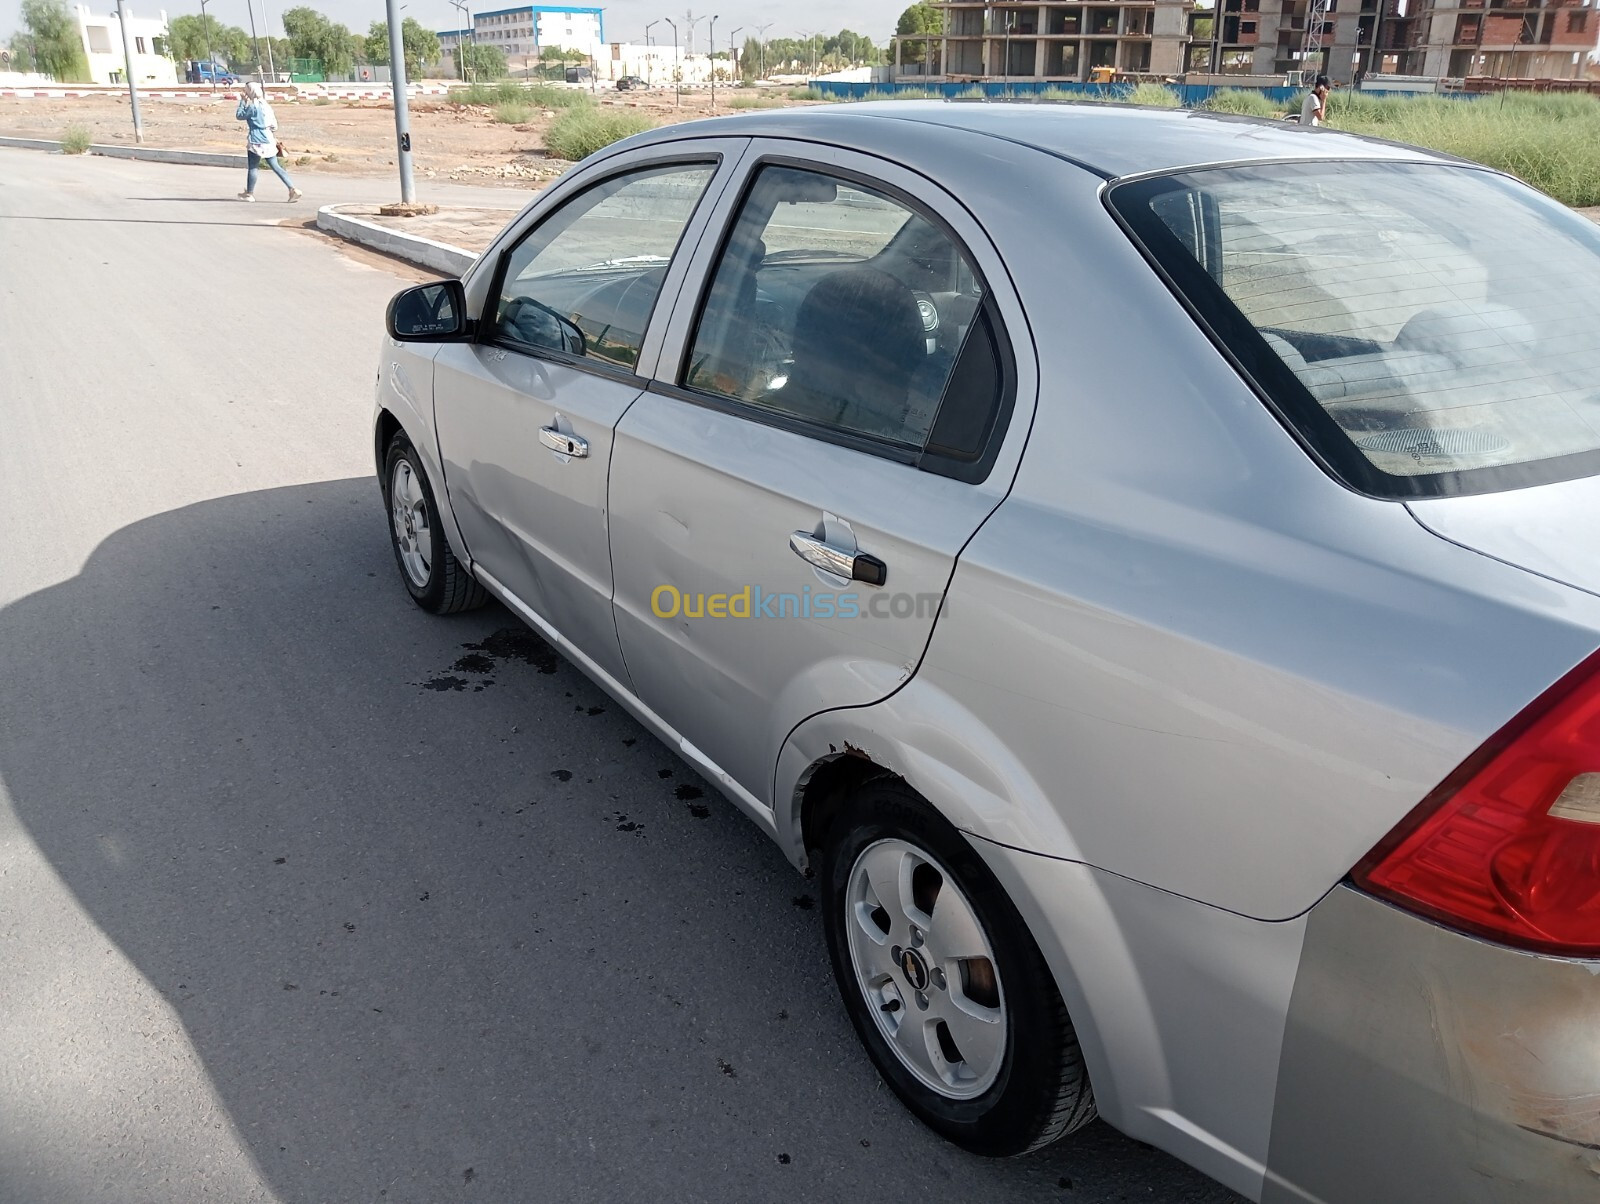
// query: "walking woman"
[[262, 124]]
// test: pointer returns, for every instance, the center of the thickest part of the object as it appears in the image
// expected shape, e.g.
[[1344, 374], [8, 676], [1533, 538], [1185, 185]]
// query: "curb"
[[440, 256], [150, 153]]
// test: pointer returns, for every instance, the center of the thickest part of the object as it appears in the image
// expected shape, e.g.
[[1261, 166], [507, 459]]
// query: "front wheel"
[[942, 981], [435, 579]]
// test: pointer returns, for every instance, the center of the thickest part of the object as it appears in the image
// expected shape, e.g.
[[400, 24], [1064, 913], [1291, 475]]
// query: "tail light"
[[1508, 846]]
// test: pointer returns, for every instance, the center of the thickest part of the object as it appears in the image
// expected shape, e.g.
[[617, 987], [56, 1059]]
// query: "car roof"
[[1111, 140]]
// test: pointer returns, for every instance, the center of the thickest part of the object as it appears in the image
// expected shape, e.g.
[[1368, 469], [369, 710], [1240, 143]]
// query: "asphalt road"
[[283, 916]]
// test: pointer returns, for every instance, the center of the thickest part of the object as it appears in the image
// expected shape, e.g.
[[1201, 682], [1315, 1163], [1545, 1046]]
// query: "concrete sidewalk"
[[447, 241]]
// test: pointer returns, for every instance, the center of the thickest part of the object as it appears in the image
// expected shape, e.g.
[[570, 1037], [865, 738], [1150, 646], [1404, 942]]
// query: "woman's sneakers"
[[295, 194], [247, 196]]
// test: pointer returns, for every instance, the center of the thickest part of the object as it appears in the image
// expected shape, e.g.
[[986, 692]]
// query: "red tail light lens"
[[1508, 846]]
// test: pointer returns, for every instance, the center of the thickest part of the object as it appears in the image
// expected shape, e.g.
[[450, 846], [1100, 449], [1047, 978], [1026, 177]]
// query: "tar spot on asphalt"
[[468, 1175], [423, 897], [727, 1069], [597, 710], [784, 1160], [289, 986], [783, 1013], [663, 773], [474, 662], [629, 741], [518, 644], [804, 902], [624, 824], [279, 860], [865, 1144], [442, 684], [685, 792], [561, 775], [699, 810], [1064, 1183], [349, 927]]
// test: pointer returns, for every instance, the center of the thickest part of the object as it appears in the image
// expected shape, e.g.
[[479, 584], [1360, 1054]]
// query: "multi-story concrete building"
[[1053, 40], [521, 33], [1269, 37], [1506, 39]]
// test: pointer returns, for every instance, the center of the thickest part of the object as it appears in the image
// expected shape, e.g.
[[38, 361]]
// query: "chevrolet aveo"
[[1146, 563]]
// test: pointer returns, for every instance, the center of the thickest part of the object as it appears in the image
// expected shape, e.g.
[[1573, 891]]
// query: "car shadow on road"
[[432, 911]]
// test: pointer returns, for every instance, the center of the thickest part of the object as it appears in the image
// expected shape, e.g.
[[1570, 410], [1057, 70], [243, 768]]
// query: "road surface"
[[306, 895]]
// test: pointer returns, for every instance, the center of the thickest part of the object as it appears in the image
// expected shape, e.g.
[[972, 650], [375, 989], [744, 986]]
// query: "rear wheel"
[[944, 985], [434, 578]]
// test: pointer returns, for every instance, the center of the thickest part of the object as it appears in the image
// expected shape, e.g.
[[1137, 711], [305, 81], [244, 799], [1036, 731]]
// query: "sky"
[[625, 19]]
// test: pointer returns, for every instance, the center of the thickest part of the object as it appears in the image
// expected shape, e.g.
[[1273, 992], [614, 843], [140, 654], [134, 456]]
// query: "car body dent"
[[1462, 1070]]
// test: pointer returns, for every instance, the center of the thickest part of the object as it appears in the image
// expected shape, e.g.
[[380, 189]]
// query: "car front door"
[[525, 413], [841, 400]]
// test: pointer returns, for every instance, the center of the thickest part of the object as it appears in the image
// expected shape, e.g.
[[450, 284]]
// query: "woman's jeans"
[[271, 161]]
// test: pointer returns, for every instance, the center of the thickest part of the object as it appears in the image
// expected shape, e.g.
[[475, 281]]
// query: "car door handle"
[[857, 566], [567, 445]]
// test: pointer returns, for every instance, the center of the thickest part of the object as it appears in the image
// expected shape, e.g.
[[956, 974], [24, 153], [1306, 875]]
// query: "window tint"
[[585, 281], [839, 306], [1429, 328]]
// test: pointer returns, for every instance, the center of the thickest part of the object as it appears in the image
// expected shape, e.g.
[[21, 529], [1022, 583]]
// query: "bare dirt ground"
[[353, 137]]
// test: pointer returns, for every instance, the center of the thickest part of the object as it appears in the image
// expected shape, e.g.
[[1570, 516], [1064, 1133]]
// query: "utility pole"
[[711, 58], [211, 62], [677, 70], [133, 88], [649, 59], [266, 21], [461, 47], [402, 113], [254, 38], [732, 63]]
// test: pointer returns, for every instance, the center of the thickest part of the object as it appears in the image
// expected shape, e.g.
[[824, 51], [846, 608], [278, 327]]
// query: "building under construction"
[[1080, 40]]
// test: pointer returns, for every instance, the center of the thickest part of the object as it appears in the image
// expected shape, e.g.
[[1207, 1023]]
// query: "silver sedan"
[[1143, 563]]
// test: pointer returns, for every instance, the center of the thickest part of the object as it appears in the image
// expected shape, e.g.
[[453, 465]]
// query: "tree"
[[53, 36], [750, 61], [187, 39], [21, 54], [420, 45], [483, 62], [314, 36], [915, 23]]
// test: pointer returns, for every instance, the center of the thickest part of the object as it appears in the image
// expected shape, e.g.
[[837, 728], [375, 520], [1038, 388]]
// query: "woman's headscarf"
[[254, 89]]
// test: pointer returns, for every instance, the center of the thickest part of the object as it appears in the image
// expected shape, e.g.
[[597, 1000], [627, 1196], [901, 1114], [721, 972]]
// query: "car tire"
[[1021, 1082], [435, 579]]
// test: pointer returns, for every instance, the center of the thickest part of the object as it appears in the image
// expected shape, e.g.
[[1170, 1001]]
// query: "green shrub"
[[1246, 102], [903, 94], [806, 94], [1058, 95], [512, 112], [513, 92], [753, 102], [1155, 96], [75, 140], [579, 132]]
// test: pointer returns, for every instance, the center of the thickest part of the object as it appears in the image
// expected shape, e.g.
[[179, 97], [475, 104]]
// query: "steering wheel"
[[929, 313], [535, 323]]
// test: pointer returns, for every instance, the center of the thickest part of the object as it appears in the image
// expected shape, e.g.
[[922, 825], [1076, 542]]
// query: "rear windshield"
[[1427, 329]]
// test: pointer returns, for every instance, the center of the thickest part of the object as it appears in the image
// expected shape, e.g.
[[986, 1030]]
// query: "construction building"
[[1503, 39]]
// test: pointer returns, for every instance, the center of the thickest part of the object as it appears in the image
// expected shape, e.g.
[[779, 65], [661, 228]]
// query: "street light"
[[711, 57], [211, 63], [761, 33], [133, 88], [649, 59], [677, 71], [254, 37], [466, 11], [731, 64]]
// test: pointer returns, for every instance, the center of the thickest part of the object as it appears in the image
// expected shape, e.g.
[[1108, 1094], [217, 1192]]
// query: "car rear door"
[[567, 337], [828, 427]]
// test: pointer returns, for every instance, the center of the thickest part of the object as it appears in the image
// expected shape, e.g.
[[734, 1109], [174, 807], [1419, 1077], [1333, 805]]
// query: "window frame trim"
[[487, 334], [669, 377]]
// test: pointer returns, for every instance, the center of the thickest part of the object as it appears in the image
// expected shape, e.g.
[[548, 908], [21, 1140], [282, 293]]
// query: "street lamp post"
[[731, 63], [133, 88], [677, 70], [649, 59], [1010, 20], [761, 33], [255, 38], [211, 62], [402, 111], [711, 57], [465, 10]]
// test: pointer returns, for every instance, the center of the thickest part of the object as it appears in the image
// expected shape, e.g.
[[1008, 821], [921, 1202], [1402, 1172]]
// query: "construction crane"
[[1311, 49]]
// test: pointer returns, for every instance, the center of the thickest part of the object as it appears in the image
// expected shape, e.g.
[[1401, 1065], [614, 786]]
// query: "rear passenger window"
[[584, 282], [839, 307]]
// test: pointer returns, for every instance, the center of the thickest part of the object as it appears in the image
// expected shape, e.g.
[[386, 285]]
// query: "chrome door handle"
[[567, 445], [857, 566]]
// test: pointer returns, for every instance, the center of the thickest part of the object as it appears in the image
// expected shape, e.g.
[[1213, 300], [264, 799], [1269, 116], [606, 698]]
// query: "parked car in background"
[[1151, 581], [627, 82], [199, 72], [579, 75]]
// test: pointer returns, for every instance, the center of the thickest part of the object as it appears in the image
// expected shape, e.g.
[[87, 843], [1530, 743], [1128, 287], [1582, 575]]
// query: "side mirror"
[[430, 313]]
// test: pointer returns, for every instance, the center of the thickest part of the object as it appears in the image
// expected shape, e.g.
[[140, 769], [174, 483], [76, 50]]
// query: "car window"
[[584, 282], [843, 308], [1429, 327]]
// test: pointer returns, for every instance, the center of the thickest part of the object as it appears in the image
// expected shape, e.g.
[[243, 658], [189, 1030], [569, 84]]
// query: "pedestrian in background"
[[263, 145], [1314, 109]]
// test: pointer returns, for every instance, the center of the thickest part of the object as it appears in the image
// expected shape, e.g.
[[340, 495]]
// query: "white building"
[[521, 33], [654, 64], [147, 40]]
